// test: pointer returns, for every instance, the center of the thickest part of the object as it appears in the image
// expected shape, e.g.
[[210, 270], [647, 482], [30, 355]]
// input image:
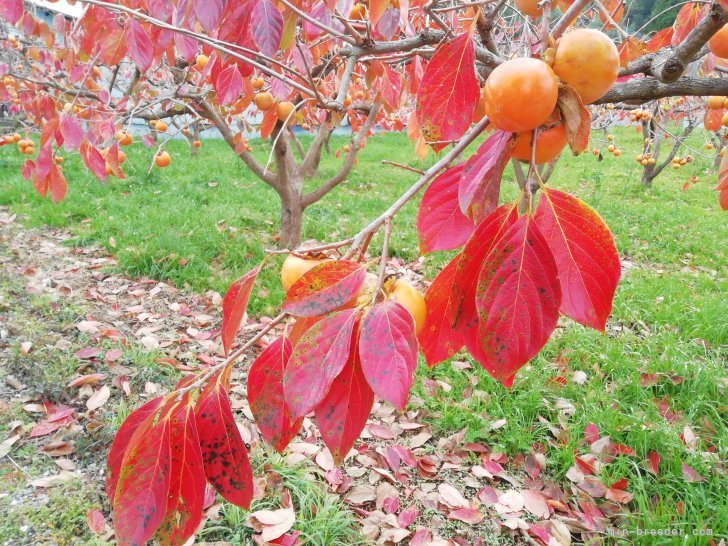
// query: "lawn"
[[205, 220]]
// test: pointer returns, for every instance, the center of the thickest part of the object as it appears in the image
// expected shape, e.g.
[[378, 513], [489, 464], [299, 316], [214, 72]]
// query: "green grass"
[[321, 517], [669, 316]]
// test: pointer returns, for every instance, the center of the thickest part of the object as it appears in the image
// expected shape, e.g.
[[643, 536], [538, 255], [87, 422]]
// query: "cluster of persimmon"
[[397, 289], [645, 159], [678, 162], [611, 147], [584, 59], [640, 115], [158, 125]]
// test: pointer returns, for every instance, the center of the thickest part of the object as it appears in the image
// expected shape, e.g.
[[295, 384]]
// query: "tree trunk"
[[291, 220], [648, 175]]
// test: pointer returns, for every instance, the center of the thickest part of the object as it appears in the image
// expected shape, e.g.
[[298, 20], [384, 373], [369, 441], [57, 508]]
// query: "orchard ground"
[[655, 382]]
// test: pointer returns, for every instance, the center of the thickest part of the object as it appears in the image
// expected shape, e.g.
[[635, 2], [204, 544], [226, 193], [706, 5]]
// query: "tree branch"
[[338, 178], [686, 50], [647, 89], [313, 156], [210, 113]]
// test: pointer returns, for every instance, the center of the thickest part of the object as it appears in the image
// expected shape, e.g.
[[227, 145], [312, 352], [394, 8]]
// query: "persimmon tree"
[[520, 82]]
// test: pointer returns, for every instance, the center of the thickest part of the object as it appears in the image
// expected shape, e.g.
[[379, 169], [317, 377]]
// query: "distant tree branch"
[[647, 89], [338, 178]]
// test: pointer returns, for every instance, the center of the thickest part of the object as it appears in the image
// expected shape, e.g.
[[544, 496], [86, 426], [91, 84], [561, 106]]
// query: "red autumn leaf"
[[438, 340], [112, 161], [687, 19], [653, 462], [441, 225], [473, 516], [96, 521], [691, 475], [576, 119], [621, 449], [208, 13], [234, 305], [187, 479], [317, 359], [93, 159], [376, 10], [121, 442], [591, 433], [141, 494], [390, 87], [139, 43], [662, 38], [265, 395], [224, 455], [481, 178], [448, 93], [228, 84], [586, 257], [324, 288], [267, 26], [461, 311], [342, 414], [517, 299], [113, 47], [388, 350]]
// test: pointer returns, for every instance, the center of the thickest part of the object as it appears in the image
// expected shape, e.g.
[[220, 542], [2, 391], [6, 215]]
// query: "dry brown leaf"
[[272, 524], [98, 399]]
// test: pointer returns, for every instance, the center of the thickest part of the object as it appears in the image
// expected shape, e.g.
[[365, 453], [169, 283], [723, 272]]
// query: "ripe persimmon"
[[160, 126], [257, 83], [264, 100], [284, 109], [549, 143], [715, 103], [588, 61], [411, 299], [718, 43], [529, 7], [294, 267], [196, 143], [163, 159], [520, 94], [358, 12]]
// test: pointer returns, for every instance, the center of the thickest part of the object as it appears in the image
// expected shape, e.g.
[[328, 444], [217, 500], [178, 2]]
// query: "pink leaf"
[[140, 44], [11, 10], [93, 159], [472, 516], [691, 475], [267, 27], [72, 132], [208, 12], [228, 85]]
